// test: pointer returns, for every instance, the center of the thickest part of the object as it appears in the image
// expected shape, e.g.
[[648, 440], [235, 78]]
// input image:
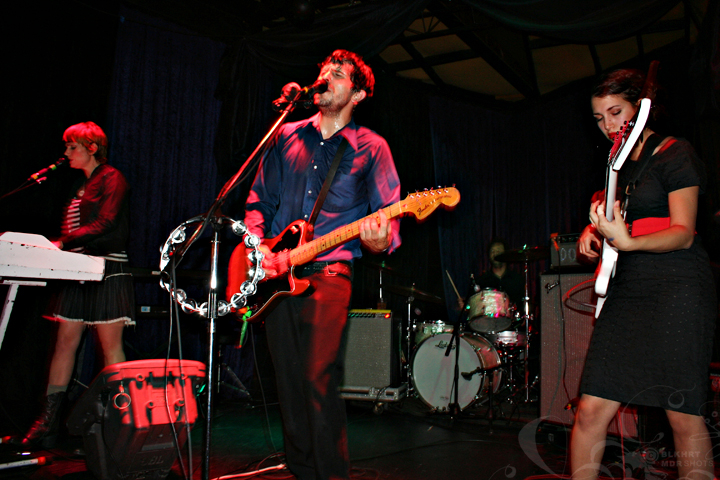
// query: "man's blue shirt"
[[292, 174]]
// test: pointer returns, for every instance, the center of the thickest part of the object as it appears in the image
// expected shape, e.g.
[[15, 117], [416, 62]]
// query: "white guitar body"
[[621, 149]]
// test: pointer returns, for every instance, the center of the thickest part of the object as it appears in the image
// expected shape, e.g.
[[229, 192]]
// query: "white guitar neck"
[[606, 270]]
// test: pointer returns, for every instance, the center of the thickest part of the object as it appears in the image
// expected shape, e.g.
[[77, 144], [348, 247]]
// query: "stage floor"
[[403, 442]]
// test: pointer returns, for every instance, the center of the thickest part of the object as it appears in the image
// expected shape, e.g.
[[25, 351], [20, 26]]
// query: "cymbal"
[[526, 254], [414, 292], [382, 267]]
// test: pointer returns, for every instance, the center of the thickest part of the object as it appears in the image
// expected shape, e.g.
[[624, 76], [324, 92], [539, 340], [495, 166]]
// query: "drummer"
[[499, 276]]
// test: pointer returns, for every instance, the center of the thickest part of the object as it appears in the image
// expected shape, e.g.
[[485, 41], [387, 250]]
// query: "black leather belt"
[[341, 267]]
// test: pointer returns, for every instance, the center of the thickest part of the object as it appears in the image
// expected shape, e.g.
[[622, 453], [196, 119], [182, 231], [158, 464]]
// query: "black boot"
[[44, 431]]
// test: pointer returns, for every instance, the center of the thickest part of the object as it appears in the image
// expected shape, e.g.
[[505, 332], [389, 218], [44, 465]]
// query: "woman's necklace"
[[81, 190]]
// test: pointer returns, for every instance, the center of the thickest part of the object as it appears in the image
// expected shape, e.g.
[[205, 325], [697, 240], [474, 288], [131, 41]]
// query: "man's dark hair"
[[362, 76]]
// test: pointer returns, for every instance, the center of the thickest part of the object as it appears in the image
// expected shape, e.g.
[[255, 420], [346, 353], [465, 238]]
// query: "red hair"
[[87, 133]]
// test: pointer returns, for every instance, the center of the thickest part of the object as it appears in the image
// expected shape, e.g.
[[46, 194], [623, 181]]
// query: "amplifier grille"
[[373, 345], [558, 358]]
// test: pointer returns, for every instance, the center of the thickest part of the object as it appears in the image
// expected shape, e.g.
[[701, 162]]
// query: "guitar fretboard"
[[305, 253], [419, 204]]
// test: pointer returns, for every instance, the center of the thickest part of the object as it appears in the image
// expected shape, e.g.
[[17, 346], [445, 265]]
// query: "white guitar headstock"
[[636, 127]]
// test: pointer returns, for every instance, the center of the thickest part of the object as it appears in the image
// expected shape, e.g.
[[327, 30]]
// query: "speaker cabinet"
[[130, 413], [566, 332], [372, 356]]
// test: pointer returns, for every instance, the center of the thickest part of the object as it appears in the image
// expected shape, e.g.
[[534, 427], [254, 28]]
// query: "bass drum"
[[433, 372]]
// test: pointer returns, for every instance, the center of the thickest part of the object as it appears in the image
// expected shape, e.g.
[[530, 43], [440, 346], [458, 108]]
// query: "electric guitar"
[[293, 247], [622, 146]]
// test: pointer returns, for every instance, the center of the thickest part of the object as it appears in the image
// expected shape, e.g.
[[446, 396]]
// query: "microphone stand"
[[235, 180], [454, 407], [526, 317], [214, 218], [35, 179]]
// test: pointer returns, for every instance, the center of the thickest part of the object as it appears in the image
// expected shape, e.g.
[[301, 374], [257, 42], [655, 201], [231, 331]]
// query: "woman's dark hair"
[[627, 83]]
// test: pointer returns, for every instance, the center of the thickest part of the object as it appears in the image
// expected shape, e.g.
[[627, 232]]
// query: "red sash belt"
[[648, 225]]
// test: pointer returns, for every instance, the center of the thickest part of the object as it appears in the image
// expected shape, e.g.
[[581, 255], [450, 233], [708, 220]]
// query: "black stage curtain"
[[162, 118]]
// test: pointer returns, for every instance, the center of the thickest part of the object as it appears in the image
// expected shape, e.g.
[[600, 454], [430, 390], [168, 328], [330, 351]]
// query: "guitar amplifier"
[[563, 251], [566, 331], [372, 357]]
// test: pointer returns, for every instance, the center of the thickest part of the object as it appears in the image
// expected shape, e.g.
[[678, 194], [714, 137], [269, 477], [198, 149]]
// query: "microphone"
[[291, 90], [51, 168], [320, 86], [469, 375]]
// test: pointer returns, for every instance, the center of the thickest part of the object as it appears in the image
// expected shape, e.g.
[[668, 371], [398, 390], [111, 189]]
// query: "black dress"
[[653, 340]]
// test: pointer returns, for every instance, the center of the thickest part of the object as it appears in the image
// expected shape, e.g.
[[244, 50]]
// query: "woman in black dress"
[[96, 222], [653, 339]]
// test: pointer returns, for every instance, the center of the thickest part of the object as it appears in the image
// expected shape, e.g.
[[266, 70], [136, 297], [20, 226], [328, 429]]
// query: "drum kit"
[[482, 360]]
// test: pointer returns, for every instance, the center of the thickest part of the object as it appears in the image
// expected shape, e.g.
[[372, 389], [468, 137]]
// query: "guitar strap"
[[650, 145], [326, 186]]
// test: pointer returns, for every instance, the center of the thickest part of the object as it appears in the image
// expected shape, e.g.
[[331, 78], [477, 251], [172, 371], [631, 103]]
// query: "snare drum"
[[433, 373], [424, 330], [489, 311], [509, 338]]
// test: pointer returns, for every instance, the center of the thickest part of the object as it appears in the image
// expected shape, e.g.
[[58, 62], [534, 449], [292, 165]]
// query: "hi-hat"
[[526, 254], [414, 292]]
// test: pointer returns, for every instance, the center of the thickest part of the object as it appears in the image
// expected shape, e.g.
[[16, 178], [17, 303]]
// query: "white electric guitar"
[[624, 143]]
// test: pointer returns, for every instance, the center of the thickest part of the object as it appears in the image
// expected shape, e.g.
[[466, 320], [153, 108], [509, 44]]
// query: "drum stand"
[[454, 407], [408, 345], [410, 294], [490, 412], [526, 316]]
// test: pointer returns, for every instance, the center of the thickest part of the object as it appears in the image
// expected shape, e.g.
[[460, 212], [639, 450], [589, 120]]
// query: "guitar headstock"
[[627, 137], [619, 140], [422, 204], [641, 115]]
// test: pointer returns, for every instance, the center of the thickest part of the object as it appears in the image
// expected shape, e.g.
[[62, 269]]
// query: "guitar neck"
[[622, 147], [610, 190], [305, 253]]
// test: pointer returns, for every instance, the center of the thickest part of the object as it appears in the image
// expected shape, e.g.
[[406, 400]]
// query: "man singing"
[[306, 333]]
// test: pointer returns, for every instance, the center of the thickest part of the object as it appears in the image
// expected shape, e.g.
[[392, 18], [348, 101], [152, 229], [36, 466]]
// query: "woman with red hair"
[[95, 222]]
